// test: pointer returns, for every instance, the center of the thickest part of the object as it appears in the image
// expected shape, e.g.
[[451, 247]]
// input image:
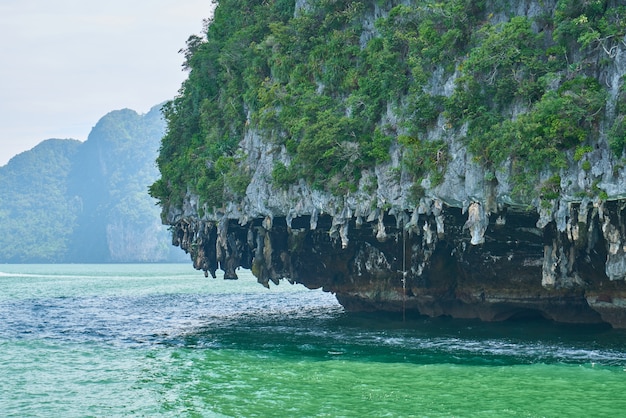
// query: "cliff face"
[[521, 216], [437, 260]]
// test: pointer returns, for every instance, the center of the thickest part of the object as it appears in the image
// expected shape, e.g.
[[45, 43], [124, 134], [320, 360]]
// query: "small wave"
[[144, 311], [525, 352], [38, 276], [61, 276]]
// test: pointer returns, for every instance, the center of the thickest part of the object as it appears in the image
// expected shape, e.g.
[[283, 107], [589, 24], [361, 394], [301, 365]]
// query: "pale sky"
[[66, 63]]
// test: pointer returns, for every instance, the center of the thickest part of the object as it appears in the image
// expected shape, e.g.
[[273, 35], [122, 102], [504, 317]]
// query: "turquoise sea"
[[161, 340]]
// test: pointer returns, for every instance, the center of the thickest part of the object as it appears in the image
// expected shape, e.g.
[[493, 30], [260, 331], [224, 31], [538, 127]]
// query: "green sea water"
[[161, 340]]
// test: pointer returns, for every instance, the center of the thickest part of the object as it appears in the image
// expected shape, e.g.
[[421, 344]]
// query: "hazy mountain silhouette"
[[72, 201]]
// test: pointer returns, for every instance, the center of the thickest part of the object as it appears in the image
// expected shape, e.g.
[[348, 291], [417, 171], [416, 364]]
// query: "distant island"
[[67, 201]]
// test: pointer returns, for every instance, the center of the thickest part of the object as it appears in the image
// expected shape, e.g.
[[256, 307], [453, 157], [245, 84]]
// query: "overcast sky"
[[66, 63]]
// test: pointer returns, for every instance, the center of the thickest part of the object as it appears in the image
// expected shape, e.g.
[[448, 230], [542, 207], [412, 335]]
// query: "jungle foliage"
[[321, 83]]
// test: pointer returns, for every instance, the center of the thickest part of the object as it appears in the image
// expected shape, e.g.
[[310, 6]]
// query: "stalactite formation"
[[465, 263]]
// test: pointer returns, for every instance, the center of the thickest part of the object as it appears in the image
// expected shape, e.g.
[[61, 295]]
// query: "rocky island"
[[457, 158]]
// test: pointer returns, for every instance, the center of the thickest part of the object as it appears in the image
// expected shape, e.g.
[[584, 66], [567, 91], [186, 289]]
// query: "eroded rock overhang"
[[567, 264]]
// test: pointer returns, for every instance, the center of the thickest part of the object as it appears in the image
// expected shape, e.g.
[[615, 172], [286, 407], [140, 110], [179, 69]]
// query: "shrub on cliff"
[[336, 84]]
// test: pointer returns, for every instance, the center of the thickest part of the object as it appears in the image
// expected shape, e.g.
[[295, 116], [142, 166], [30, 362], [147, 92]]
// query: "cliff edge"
[[459, 158]]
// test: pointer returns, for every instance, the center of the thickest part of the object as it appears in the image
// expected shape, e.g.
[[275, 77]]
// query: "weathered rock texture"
[[466, 249], [437, 260]]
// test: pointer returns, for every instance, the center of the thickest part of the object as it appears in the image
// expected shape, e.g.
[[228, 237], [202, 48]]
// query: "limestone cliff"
[[518, 211]]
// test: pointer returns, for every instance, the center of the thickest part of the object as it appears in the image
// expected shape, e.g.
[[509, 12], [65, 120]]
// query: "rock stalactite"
[[467, 263], [471, 186]]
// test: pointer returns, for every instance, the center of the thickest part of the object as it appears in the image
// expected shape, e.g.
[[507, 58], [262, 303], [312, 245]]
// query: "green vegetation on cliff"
[[335, 84]]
